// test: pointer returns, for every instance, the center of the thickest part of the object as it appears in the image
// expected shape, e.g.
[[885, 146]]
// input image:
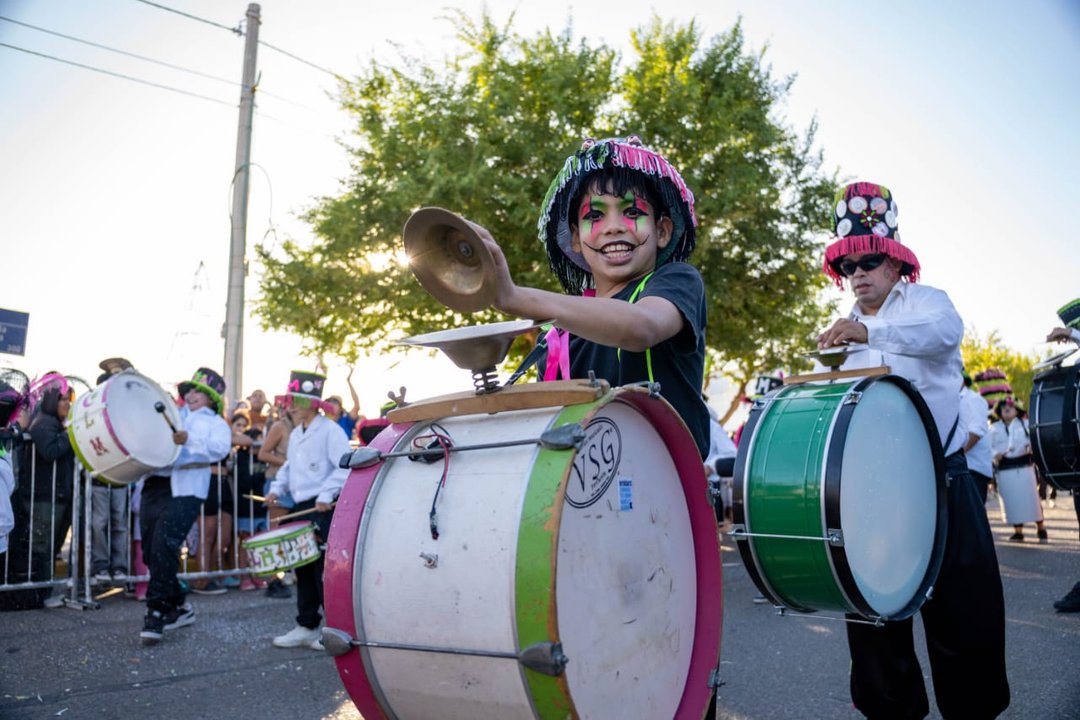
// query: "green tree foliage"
[[483, 132], [981, 353]]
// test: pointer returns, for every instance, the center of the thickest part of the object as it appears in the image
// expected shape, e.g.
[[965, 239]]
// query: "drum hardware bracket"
[[853, 398], [714, 679], [546, 658], [563, 437], [652, 387], [834, 537], [431, 560]]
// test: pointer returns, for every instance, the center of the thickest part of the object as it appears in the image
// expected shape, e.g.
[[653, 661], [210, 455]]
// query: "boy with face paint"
[[618, 223]]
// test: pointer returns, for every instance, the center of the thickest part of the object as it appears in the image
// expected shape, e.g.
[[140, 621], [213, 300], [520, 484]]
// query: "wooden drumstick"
[[160, 407], [290, 516], [257, 498]]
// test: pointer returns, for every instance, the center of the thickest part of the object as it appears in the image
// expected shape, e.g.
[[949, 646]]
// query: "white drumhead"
[[626, 581], [888, 498], [129, 401]]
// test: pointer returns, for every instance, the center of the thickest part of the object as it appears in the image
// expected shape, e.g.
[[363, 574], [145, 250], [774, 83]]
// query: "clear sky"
[[114, 195]]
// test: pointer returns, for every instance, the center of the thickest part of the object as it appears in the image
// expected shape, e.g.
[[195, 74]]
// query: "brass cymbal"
[[449, 259]]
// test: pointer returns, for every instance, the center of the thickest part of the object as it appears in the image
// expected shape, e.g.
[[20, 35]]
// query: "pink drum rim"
[[705, 657], [108, 420], [339, 568]]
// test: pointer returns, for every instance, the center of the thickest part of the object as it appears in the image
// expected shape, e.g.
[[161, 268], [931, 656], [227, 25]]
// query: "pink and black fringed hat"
[[864, 222], [637, 165]]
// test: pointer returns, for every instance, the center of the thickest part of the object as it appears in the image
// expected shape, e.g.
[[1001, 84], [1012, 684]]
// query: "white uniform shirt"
[[720, 444], [1011, 441], [209, 440], [7, 486], [917, 333], [973, 412], [311, 469]]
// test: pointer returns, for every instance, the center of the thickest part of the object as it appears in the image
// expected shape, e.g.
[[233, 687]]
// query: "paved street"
[[89, 664]]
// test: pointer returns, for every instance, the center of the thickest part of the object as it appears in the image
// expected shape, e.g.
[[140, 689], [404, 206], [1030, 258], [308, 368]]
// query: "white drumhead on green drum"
[[888, 498]]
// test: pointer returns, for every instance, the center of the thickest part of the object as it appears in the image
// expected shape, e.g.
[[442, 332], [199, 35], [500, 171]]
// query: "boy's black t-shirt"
[[678, 362]]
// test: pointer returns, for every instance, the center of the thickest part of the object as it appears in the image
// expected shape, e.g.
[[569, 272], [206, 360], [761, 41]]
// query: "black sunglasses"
[[866, 262]]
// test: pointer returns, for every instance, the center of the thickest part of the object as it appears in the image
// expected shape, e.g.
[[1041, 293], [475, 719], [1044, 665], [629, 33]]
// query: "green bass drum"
[[840, 498]]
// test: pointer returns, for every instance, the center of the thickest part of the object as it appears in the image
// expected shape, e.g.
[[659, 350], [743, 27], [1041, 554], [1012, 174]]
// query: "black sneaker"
[[1071, 602], [153, 626], [180, 617], [277, 590]]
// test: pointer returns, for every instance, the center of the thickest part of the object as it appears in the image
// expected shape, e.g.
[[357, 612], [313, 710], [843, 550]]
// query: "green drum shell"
[[252, 544], [794, 492]]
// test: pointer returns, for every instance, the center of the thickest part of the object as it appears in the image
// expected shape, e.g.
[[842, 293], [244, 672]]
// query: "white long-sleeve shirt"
[[209, 440], [917, 333], [720, 444], [973, 412], [311, 469], [1011, 441]]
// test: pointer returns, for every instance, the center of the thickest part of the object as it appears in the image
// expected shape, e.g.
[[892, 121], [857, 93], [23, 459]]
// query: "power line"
[[119, 75], [236, 30], [121, 52], [331, 73], [162, 63]]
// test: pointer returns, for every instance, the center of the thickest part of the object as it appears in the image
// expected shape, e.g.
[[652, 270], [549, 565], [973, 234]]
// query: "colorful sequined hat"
[[1070, 314], [207, 381], [644, 166], [992, 385], [864, 221]]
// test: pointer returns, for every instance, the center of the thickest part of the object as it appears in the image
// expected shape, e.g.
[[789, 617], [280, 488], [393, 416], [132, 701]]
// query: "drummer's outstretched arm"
[[634, 327]]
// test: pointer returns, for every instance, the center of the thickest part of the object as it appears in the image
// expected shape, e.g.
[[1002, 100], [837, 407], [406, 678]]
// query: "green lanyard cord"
[[648, 351]]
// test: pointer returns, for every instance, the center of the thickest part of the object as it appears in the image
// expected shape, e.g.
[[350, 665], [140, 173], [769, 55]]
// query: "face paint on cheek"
[[639, 203]]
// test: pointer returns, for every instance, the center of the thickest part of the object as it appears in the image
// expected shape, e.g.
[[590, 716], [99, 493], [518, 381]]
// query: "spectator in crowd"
[[42, 502], [250, 478], [257, 415], [274, 453], [335, 409]]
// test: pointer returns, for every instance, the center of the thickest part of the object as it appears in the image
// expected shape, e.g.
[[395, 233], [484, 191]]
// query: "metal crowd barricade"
[[77, 585]]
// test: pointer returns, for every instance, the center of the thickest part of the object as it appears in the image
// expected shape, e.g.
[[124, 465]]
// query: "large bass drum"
[[605, 554], [118, 434], [1055, 426], [840, 498]]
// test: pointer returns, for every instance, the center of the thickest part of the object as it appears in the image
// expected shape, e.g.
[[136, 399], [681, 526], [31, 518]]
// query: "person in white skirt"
[[1015, 472]]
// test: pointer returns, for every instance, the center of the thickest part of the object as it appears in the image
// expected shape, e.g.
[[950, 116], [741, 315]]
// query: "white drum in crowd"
[[118, 433]]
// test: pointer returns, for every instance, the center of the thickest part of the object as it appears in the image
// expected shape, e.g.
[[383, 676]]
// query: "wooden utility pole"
[[234, 304]]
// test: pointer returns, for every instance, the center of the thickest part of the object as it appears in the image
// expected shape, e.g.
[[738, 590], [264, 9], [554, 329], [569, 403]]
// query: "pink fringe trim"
[[864, 244], [648, 162], [867, 189]]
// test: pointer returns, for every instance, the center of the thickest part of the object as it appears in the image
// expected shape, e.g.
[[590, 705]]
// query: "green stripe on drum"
[[786, 495], [537, 548]]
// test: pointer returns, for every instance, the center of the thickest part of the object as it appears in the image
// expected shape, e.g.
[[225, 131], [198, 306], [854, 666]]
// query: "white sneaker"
[[102, 578], [299, 636]]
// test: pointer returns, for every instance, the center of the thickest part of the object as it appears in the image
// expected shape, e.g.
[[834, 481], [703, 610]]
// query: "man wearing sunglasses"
[[915, 330]]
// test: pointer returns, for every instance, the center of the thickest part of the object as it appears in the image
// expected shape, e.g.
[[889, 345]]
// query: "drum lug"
[[714, 679], [431, 561], [546, 658], [836, 537], [853, 398], [564, 437], [738, 532]]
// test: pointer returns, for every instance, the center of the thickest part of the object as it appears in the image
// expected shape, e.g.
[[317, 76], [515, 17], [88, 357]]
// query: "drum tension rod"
[[546, 658], [876, 621], [564, 437], [835, 536]]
